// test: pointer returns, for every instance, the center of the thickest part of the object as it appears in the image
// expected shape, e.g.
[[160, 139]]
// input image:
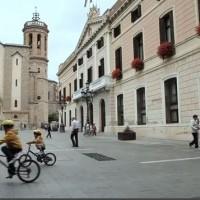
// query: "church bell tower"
[[36, 37]]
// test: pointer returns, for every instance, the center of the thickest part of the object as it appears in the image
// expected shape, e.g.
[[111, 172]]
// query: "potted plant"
[[68, 98], [198, 30], [116, 73], [165, 50], [127, 134], [137, 64]]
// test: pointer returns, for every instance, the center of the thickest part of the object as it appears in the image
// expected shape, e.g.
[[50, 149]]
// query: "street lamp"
[[63, 104], [87, 94]]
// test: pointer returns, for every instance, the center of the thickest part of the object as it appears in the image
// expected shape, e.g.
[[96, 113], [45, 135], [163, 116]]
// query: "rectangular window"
[[101, 68], [120, 110], [118, 60], [48, 95], [167, 28], [90, 75], [75, 68], [70, 118], [16, 82], [64, 92], [171, 101], [117, 31], [65, 118], [17, 61], [198, 2], [136, 14], [141, 106], [138, 46], [70, 89], [75, 113], [60, 94], [100, 43], [81, 81], [75, 85], [80, 61], [15, 103], [89, 53]]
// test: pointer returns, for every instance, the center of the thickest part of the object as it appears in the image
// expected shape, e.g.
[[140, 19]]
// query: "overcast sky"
[[65, 20]]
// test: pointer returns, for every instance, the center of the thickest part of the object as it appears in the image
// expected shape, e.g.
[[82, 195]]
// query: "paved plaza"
[[145, 168]]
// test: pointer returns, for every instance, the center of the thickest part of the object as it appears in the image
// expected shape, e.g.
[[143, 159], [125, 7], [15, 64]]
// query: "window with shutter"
[[167, 28], [117, 31], [75, 85], [90, 75], [136, 14], [101, 68], [198, 2], [171, 101], [120, 110], [141, 107], [138, 46]]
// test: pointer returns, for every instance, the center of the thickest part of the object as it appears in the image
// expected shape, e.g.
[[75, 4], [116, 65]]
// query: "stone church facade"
[[141, 59], [23, 77]]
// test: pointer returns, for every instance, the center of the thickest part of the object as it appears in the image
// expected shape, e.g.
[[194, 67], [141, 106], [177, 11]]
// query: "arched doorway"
[[91, 113], [82, 118], [102, 115]]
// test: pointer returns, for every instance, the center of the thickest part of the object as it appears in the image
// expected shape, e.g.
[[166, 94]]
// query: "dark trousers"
[[49, 134], [74, 135], [195, 140], [10, 153]]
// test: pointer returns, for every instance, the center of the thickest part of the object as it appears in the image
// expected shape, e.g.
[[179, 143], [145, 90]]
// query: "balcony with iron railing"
[[104, 82]]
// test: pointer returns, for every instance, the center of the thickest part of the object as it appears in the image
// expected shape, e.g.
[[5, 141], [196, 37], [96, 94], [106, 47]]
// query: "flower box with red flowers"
[[68, 98], [165, 50], [137, 64], [116, 74], [198, 30]]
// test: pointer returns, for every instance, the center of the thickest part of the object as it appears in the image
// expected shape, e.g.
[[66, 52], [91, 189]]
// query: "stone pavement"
[[145, 168]]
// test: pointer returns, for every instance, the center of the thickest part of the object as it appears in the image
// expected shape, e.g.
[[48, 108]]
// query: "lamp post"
[[63, 104], [87, 94]]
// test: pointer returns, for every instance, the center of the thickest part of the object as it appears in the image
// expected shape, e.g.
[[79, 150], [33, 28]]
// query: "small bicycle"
[[48, 158], [27, 171]]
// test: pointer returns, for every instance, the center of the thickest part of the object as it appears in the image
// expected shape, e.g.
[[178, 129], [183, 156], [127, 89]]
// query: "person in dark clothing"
[[49, 131], [195, 129]]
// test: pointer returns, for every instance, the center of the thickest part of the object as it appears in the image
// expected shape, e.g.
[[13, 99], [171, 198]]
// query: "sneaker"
[[10, 176]]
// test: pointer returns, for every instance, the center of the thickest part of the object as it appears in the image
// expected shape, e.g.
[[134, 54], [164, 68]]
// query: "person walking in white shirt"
[[74, 133], [195, 129]]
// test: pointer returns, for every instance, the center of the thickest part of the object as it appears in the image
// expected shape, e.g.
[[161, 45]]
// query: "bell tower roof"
[[35, 23]]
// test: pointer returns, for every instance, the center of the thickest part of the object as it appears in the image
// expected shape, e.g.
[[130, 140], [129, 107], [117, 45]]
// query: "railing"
[[35, 23], [102, 82]]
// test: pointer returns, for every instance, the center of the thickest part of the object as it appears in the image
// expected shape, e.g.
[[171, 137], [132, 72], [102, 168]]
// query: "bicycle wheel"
[[49, 159], [23, 158], [28, 171]]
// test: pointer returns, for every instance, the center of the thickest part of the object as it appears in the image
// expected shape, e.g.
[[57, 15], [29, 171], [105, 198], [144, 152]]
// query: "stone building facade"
[[23, 77], [155, 48]]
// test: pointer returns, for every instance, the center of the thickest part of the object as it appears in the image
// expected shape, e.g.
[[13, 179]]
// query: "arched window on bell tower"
[[30, 39], [38, 41]]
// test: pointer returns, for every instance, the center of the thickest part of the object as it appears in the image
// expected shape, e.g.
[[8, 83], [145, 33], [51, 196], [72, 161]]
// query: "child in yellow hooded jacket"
[[13, 145]]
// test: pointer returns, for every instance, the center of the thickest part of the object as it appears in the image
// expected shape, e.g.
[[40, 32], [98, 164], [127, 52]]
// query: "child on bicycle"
[[13, 145], [38, 141]]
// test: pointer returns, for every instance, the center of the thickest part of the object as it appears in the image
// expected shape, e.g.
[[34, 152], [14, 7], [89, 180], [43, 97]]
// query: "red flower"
[[116, 73], [137, 64], [198, 30], [165, 50], [67, 98]]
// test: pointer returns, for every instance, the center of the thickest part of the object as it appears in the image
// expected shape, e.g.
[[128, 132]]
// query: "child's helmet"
[[37, 132]]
